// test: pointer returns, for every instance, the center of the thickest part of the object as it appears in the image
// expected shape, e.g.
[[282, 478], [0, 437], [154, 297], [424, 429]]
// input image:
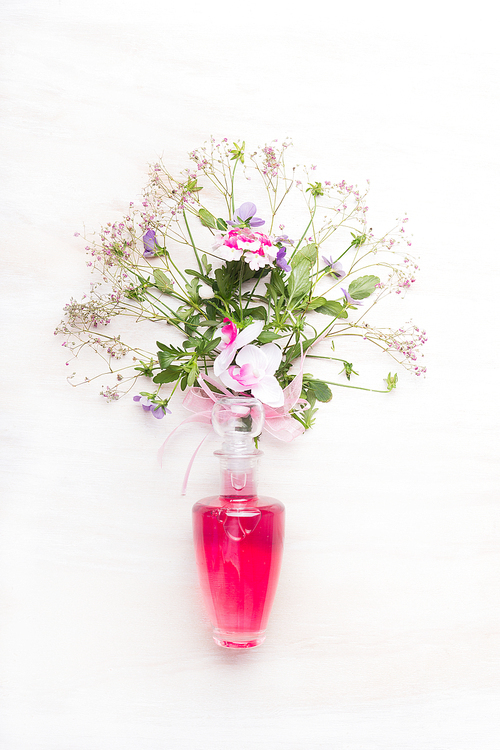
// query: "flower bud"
[[205, 291]]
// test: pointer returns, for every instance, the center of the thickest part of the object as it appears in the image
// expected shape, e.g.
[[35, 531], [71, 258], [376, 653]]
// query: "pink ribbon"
[[278, 422]]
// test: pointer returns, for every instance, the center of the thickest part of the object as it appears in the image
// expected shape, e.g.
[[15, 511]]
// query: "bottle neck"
[[238, 475]]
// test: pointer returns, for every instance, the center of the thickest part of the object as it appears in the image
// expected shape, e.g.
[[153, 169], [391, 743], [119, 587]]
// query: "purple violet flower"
[[351, 300], [281, 261], [149, 242], [284, 239], [335, 267], [157, 411], [244, 213]]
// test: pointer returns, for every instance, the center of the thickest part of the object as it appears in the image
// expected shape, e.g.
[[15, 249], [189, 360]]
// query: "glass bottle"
[[238, 536]]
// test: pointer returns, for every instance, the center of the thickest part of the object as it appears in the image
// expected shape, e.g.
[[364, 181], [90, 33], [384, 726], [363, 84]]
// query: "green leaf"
[[259, 313], [316, 302], [224, 282], [299, 281], [307, 252], [199, 275], [165, 359], [309, 395], [207, 267], [277, 283], [192, 289], [320, 390], [183, 312], [206, 346], [267, 336], [221, 225], [330, 307], [168, 354], [167, 375], [162, 281], [208, 323], [363, 287], [207, 219], [193, 374], [192, 187]]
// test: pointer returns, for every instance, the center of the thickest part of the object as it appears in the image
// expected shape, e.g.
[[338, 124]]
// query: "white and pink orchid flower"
[[231, 341], [254, 371]]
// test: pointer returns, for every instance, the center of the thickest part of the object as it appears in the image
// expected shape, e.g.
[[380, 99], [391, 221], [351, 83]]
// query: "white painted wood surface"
[[385, 631]]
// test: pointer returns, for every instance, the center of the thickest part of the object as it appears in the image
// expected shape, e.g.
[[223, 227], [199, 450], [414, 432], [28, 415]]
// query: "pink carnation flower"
[[254, 247]]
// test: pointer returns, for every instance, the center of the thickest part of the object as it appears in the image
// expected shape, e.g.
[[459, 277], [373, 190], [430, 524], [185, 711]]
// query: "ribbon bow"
[[278, 422]]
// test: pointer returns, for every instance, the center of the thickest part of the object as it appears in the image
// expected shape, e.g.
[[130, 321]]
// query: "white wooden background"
[[385, 630]]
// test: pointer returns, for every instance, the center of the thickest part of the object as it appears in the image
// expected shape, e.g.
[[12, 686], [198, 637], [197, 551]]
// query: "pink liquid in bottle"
[[239, 547]]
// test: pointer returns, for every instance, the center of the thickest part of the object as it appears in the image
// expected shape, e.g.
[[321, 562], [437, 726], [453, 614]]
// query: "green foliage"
[[192, 186], [315, 188], [168, 375], [363, 287], [295, 350], [192, 289], [333, 308], [358, 240], [207, 267], [319, 389], [162, 281], [391, 381], [348, 370], [169, 354], [238, 152], [306, 252], [258, 313], [299, 282], [146, 368], [266, 337], [207, 219], [225, 284]]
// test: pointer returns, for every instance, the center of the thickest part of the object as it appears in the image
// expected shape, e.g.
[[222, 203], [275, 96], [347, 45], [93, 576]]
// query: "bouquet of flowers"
[[249, 314]]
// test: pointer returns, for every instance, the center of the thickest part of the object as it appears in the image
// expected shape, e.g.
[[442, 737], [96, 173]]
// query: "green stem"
[[169, 259], [319, 356], [357, 387], [345, 251], [251, 295], [232, 184], [305, 231], [192, 242], [240, 285], [175, 386]]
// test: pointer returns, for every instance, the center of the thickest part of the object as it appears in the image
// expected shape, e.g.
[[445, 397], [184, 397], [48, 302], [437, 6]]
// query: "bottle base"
[[239, 640]]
